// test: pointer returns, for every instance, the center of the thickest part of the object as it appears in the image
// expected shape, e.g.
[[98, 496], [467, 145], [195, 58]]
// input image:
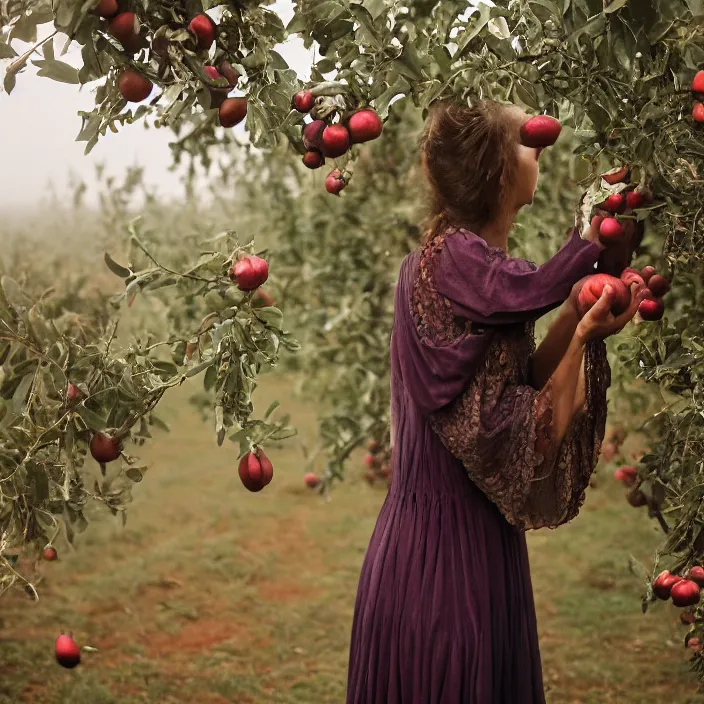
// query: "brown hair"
[[469, 157]]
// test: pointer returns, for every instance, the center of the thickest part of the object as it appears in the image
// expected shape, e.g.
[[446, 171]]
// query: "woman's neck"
[[495, 233]]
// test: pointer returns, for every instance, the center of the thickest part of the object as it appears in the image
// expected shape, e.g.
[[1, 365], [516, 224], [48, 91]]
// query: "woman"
[[491, 437]]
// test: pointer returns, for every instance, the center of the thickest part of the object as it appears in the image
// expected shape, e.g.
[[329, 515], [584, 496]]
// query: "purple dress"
[[444, 609]]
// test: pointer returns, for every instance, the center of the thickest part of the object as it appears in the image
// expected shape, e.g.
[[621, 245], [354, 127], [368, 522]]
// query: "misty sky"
[[39, 124]]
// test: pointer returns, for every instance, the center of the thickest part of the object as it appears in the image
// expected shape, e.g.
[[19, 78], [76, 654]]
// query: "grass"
[[213, 595]]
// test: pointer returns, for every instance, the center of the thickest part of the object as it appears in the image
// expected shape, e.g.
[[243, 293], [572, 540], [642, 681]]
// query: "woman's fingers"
[[600, 310]]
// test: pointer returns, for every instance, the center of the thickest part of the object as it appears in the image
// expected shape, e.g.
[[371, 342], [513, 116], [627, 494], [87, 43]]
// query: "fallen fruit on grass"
[[685, 593], [255, 470], [611, 231], [311, 480], [651, 309], [232, 111], [593, 287], [249, 273], [696, 574], [204, 29], [68, 654], [364, 126], [663, 584], [104, 448], [303, 101], [49, 553], [106, 8], [540, 131], [626, 474], [659, 285], [698, 112], [133, 86], [617, 175], [698, 82], [313, 159], [335, 141], [334, 182], [637, 498], [615, 203]]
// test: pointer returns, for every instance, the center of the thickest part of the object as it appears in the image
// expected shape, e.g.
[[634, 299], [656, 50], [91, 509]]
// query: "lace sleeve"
[[500, 429]]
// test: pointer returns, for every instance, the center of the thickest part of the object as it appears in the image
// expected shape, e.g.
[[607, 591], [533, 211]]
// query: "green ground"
[[213, 595]]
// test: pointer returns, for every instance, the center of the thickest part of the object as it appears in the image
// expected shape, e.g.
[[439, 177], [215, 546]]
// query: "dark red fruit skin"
[[685, 593], [217, 95], [104, 448], [123, 29], [651, 309], [134, 87], [232, 111], [313, 159], [595, 223], [647, 272], [637, 199], [659, 285], [335, 141], [68, 654], [311, 480], [230, 73], [611, 231], [267, 467], [262, 299], [540, 131], [249, 273], [304, 101], [255, 470], [364, 126], [106, 8], [73, 393], [696, 574], [312, 135], [637, 498], [334, 182], [204, 29], [698, 82], [663, 583], [694, 644], [50, 554], [369, 460], [687, 618], [593, 287], [616, 177], [615, 203], [698, 112]]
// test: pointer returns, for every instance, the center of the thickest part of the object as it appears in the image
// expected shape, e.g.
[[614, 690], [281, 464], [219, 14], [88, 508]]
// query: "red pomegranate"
[[659, 285], [369, 460], [617, 175], [313, 159], [696, 574], [364, 126], [334, 182], [204, 29], [647, 272], [125, 28], [303, 101], [262, 299], [540, 131], [637, 199], [106, 8], [73, 393], [230, 73], [687, 618], [698, 82], [311, 480], [335, 141], [626, 474], [637, 498], [49, 553], [249, 273], [615, 203], [611, 231], [68, 654], [133, 86], [313, 135], [232, 111], [255, 470], [104, 448], [651, 309], [593, 287], [663, 583], [694, 644], [685, 593], [698, 112]]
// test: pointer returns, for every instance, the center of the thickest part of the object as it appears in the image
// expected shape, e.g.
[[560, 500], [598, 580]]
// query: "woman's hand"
[[599, 322]]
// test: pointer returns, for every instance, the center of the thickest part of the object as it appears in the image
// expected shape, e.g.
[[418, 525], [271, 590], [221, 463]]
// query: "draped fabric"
[[444, 610]]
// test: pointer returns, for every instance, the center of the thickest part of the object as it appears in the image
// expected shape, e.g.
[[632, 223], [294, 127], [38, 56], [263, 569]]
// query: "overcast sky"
[[39, 124]]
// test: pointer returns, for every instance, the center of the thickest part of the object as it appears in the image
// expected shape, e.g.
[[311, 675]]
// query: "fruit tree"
[[621, 76]]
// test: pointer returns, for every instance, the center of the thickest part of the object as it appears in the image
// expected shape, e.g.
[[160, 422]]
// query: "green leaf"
[[57, 71], [615, 5], [6, 51], [274, 405], [91, 419], [116, 268], [19, 398]]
